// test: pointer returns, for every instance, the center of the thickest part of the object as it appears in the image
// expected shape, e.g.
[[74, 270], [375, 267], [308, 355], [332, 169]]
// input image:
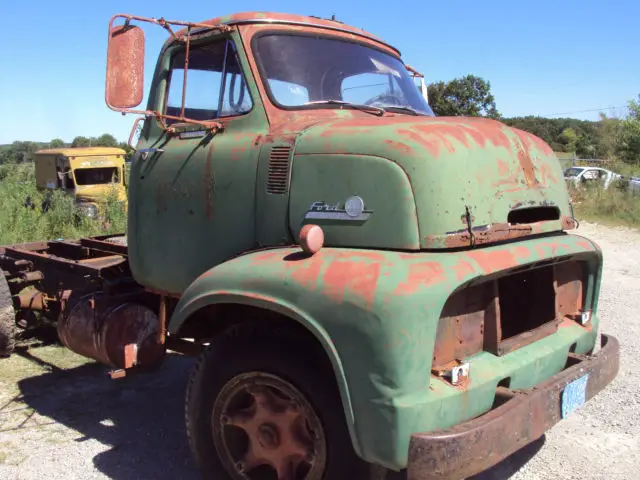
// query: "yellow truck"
[[90, 174]]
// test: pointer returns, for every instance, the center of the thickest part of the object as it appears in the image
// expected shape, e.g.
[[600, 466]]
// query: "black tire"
[[7, 319], [243, 350]]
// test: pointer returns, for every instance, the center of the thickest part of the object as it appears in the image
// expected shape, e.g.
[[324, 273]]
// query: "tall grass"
[[614, 206], [20, 223]]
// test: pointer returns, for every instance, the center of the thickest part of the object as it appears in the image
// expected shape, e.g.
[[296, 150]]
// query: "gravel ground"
[[61, 417]]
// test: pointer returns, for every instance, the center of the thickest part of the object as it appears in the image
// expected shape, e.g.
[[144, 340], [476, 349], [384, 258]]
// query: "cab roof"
[[81, 151], [289, 19]]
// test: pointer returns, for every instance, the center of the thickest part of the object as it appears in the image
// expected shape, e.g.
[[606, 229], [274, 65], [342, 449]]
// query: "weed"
[[615, 206], [21, 211]]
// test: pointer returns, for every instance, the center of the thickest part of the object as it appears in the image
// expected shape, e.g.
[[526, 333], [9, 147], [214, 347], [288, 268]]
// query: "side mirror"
[[125, 67]]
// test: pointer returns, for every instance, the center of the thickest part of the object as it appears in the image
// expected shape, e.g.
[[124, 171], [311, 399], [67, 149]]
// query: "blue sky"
[[542, 57]]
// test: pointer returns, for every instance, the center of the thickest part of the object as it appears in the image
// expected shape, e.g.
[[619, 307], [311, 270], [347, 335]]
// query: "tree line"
[[609, 138], [20, 152]]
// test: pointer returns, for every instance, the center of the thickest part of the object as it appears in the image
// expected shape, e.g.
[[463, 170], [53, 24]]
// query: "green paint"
[[451, 164], [381, 340]]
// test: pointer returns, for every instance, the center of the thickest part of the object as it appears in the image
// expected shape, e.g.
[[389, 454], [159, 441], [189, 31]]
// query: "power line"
[[582, 111]]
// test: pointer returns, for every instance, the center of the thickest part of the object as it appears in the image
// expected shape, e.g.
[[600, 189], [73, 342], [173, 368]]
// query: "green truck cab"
[[90, 174], [369, 287]]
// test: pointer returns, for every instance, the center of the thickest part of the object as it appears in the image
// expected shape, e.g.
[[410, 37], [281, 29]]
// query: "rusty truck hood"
[[473, 180]]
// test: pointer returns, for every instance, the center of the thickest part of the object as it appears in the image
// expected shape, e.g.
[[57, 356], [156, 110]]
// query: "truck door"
[[192, 205]]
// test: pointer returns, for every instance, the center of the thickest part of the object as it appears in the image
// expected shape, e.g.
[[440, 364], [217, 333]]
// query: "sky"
[[549, 58]]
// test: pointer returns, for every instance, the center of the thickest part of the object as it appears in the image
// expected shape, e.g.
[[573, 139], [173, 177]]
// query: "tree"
[[106, 140], [56, 143], [569, 139], [629, 145], [80, 142], [608, 136], [466, 96]]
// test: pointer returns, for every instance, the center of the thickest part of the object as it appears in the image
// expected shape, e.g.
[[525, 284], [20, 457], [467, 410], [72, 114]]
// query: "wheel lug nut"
[[225, 420], [240, 466]]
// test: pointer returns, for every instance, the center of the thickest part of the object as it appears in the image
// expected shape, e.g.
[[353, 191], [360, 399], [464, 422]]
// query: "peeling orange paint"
[[421, 275], [462, 269], [493, 261], [357, 278]]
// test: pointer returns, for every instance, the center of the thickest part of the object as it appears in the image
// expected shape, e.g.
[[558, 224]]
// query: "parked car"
[[588, 175], [634, 185]]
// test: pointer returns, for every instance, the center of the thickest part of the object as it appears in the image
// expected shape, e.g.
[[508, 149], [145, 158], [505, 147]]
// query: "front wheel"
[[257, 409]]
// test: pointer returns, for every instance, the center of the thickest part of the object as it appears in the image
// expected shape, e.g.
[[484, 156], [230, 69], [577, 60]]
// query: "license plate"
[[573, 395]]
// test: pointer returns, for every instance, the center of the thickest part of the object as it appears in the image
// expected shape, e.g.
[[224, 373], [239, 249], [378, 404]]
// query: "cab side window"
[[216, 86]]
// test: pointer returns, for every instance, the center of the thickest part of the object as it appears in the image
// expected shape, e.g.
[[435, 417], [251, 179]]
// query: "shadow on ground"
[[140, 420]]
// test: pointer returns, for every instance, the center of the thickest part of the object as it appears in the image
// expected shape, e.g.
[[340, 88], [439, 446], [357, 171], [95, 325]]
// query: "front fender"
[[210, 289], [360, 306], [376, 313]]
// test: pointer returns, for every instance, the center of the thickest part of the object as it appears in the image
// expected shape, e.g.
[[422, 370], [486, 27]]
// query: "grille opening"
[[501, 397], [505, 382], [461, 327], [571, 361], [527, 301], [504, 314], [533, 214]]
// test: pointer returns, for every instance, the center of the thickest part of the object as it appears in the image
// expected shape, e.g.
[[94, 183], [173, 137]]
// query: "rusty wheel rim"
[[265, 429]]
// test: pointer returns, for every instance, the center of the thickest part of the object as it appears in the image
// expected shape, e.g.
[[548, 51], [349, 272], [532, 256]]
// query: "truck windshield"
[[301, 69], [96, 176]]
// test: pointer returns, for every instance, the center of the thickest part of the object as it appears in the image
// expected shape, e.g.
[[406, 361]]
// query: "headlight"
[[89, 210]]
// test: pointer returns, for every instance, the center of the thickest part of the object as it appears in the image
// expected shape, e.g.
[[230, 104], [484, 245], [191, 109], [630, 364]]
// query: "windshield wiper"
[[402, 109], [365, 108]]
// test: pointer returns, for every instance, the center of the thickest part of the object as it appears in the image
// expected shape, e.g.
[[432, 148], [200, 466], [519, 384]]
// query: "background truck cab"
[[90, 174]]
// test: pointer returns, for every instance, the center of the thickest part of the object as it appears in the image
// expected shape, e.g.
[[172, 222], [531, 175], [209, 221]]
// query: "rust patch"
[[503, 168], [462, 269], [527, 166], [308, 273], [433, 149], [125, 67], [101, 328], [421, 275], [585, 244], [399, 146], [494, 261], [332, 130], [530, 141], [353, 277], [568, 223], [236, 152], [546, 174], [457, 132], [569, 291], [521, 252], [461, 326], [485, 234]]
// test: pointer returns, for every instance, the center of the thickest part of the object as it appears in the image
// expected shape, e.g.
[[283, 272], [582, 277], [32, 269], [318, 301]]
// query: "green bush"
[[615, 205], [20, 223]]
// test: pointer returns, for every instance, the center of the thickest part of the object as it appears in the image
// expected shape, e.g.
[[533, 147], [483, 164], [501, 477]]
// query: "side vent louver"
[[279, 166]]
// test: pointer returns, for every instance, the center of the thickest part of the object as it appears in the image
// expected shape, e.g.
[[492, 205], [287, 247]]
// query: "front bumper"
[[521, 417]]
